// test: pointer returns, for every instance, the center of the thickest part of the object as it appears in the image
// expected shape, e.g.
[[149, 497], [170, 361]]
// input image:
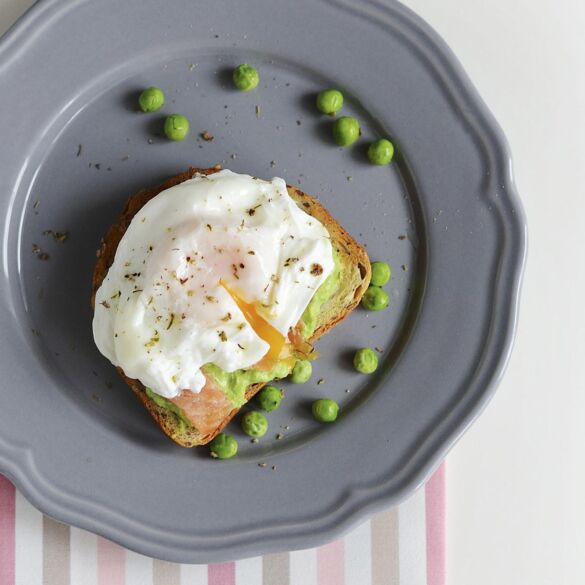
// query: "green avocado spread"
[[164, 403], [323, 294], [235, 384]]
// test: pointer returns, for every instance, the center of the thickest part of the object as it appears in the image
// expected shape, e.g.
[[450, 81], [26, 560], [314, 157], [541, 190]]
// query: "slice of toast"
[[355, 279]]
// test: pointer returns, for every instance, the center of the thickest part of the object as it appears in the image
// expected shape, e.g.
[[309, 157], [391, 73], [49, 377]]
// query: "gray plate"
[[72, 437]]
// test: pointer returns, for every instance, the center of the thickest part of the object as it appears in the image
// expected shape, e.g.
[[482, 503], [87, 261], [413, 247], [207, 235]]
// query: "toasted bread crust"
[[352, 256]]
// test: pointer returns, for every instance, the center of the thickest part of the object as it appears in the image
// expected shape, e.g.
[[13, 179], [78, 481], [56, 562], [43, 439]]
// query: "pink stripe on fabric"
[[7, 519], [221, 574], [111, 563], [435, 527], [331, 563]]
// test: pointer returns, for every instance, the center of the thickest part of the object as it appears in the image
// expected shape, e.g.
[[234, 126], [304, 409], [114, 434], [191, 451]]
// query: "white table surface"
[[516, 480]]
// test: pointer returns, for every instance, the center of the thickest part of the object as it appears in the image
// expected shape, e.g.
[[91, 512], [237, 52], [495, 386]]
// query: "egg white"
[[164, 310]]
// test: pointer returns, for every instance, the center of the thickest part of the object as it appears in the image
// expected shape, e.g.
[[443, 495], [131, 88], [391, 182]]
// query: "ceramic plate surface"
[[445, 215]]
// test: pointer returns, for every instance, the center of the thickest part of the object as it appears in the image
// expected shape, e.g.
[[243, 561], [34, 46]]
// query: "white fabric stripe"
[[303, 567], [249, 571], [28, 543], [83, 557], [358, 555], [138, 569], [193, 575], [412, 540]]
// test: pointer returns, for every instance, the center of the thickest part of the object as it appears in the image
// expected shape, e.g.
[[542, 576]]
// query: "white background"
[[516, 481]]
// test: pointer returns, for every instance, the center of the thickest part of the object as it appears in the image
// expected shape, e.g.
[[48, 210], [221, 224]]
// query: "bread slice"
[[355, 279]]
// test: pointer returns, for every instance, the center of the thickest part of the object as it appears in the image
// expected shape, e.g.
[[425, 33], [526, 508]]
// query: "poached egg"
[[216, 269]]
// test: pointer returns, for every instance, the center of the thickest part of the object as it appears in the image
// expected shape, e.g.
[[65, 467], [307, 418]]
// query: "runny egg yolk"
[[261, 327]]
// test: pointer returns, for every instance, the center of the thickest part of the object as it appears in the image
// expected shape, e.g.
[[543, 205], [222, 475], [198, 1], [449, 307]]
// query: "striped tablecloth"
[[403, 546]]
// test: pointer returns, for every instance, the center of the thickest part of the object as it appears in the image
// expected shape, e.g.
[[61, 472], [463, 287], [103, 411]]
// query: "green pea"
[[301, 372], [325, 410], [381, 152], [329, 101], [151, 99], [375, 299], [254, 424], [245, 77], [269, 398], [223, 447], [365, 361], [381, 273], [346, 131], [176, 127]]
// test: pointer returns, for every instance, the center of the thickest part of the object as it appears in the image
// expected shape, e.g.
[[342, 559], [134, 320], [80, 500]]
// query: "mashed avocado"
[[182, 422], [323, 294], [235, 384]]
